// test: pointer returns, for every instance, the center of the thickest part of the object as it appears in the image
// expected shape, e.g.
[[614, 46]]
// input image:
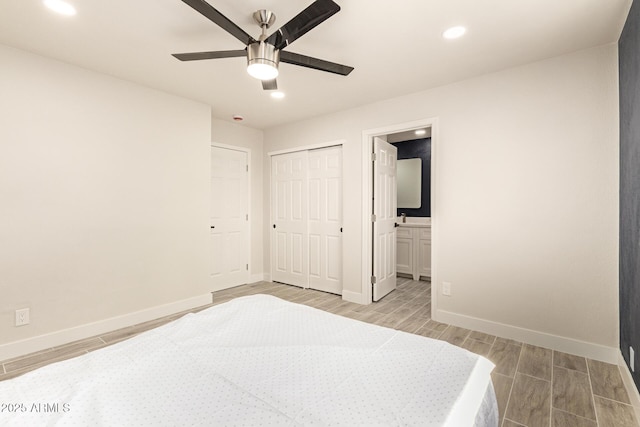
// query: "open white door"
[[229, 218], [384, 218]]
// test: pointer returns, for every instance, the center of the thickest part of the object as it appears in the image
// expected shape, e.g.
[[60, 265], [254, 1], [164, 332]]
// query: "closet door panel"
[[307, 219], [315, 255], [289, 243], [334, 264], [325, 217]]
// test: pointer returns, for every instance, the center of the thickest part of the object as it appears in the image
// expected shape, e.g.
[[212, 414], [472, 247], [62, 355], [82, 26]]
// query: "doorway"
[[369, 251]]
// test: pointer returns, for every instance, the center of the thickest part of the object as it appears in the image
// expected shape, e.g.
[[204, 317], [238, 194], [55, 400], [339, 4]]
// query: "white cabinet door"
[[289, 242], [229, 222], [424, 253], [414, 251], [325, 219], [384, 209], [404, 251]]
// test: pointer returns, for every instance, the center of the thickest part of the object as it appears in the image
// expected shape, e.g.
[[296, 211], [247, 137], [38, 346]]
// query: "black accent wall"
[[629, 66], [418, 149]]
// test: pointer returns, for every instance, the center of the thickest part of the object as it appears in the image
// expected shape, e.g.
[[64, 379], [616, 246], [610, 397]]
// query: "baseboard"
[[65, 336], [258, 278], [528, 336], [630, 385], [355, 297], [267, 277]]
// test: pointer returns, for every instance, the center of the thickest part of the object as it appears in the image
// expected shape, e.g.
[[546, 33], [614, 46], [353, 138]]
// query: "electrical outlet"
[[22, 317], [632, 359], [446, 289]]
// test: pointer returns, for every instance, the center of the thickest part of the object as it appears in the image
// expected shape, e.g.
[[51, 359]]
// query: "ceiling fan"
[[264, 54]]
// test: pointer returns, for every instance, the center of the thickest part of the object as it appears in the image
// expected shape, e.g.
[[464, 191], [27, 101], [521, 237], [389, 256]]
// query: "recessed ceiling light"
[[277, 95], [454, 32], [421, 132], [61, 7]]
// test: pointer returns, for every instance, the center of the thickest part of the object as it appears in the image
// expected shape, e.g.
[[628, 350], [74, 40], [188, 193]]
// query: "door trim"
[[307, 147], [248, 239], [367, 203]]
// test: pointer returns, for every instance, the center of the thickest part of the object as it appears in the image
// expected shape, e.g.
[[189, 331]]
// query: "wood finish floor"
[[534, 386]]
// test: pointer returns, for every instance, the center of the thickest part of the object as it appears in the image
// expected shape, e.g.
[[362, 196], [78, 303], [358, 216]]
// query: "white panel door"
[[289, 239], [229, 218], [325, 219], [384, 226]]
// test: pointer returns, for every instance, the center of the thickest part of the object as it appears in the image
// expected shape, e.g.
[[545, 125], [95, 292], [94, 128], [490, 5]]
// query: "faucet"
[[404, 217]]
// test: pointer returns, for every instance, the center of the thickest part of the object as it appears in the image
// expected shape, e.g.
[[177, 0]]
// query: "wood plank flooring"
[[535, 387]]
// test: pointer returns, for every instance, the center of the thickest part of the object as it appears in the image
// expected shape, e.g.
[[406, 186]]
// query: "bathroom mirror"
[[409, 175]]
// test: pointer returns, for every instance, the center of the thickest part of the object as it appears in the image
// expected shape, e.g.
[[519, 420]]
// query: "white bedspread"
[[259, 360]]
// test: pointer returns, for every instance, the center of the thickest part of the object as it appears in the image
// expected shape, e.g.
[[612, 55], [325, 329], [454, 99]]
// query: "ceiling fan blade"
[[315, 63], [195, 56], [269, 84], [222, 21], [318, 12]]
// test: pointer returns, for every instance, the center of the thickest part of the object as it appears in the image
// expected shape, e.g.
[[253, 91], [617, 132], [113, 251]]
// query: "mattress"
[[259, 360]]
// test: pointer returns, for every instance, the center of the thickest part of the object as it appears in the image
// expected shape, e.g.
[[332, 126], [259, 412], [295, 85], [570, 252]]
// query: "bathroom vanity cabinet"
[[413, 249]]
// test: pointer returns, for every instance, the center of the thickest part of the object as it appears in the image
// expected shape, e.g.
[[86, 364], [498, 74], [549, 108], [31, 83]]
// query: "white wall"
[[228, 133], [526, 195], [104, 196]]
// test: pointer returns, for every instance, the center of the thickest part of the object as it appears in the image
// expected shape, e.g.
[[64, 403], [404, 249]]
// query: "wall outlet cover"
[[632, 359], [446, 289], [22, 317]]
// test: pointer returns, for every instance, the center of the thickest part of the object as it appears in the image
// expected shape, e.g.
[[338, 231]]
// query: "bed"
[[259, 360]]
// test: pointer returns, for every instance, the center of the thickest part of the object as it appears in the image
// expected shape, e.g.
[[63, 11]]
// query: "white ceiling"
[[395, 47]]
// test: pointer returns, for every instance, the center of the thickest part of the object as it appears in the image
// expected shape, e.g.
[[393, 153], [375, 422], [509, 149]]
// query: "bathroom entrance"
[[415, 234]]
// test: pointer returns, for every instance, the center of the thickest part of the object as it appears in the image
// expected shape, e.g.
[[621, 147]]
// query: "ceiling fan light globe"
[[262, 61], [262, 71]]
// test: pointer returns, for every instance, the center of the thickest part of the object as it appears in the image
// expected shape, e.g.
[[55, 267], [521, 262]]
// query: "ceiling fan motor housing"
[[263, 53]]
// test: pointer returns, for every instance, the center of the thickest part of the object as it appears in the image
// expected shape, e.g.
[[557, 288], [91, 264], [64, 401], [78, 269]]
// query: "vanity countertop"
[[414, 222], [413, 225]]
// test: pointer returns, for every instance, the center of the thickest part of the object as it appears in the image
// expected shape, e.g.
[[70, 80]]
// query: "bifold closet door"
[[289, 238], [325, 219], [306, 212]]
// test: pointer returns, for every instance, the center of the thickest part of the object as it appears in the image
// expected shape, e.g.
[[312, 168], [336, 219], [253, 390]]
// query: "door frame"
[[367, 202], [308, 147], [247, 151]]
